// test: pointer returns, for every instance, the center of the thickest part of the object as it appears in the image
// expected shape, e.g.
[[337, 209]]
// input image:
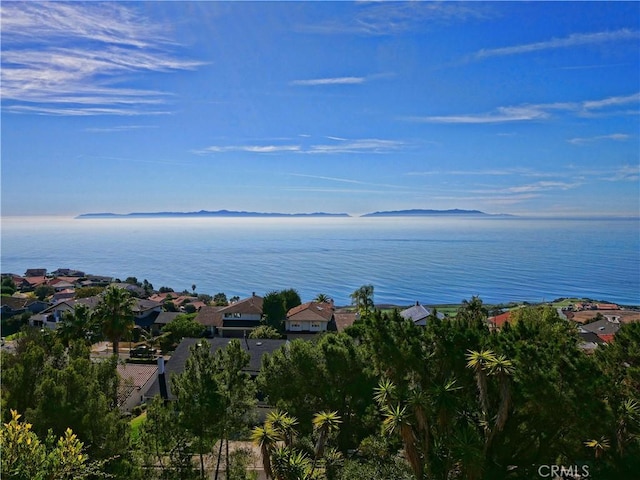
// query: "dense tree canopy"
[[276, 304], [56, 388], [385, 399]]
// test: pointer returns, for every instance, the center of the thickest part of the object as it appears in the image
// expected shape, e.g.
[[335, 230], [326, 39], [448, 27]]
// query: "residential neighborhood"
[[276, 333]]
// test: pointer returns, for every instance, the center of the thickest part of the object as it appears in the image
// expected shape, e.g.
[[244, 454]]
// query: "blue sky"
[[522, 108]]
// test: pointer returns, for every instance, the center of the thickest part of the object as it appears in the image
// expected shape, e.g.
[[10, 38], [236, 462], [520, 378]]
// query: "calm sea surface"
[[433, 260]]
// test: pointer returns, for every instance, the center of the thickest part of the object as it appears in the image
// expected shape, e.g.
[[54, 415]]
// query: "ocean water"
[[426, 259]]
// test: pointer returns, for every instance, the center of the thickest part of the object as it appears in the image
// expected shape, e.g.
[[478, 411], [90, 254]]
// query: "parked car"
[[142, 351]]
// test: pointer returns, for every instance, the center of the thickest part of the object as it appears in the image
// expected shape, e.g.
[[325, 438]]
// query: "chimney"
[[162, 381], [417, 303], [253, 294]]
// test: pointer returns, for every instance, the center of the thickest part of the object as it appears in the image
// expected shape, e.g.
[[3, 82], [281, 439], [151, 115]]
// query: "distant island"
[[206, 213], [232, 213], [420, 212]]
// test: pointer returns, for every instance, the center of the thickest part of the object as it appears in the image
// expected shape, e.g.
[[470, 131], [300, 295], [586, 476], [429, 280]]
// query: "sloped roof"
[[15, 303], [251, 305], [602, 327], [607, 306], [35, 272], [344, 319], [417, 313], [133, 377], [590, 337], [210, 316], [499, 320], [142, 304], [176, 365], [166, 317], [311, 311]]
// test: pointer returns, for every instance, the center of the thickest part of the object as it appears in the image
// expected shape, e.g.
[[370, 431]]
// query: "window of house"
[[315, 324]]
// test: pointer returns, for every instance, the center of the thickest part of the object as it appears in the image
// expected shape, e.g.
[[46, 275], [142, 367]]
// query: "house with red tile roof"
[[310, 317], [607, 306], [605, 328], [35, 282], [497, 322]]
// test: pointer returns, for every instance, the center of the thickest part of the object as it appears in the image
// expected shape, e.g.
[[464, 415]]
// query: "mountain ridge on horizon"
[[232, 213]]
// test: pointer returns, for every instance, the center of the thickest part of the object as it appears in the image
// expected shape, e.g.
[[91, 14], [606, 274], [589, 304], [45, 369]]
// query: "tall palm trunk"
[[413, 456]]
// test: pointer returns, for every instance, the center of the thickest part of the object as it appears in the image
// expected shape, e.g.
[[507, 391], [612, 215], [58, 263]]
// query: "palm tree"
[[115, 313], [324, 423], [362, 298], [419, 402], [467, 450], [322, 298], [444, 403], [472, 311], [283, 424], [79, 324], [384, 393], [266, 438], [599, 446], [629, 416], [503, 369], [397, 420], [479, 362], [291, 464]]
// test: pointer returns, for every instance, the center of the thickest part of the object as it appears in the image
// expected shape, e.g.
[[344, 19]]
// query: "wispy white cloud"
[[486, 172], [626, 173], [348, 180], [592, 67], [393, 18], [332, 179], [542, 186], [491, 199], [618, 137], [329, 81], [536, 112], [81, 111], [501, 115], [369, 145], [340, 145], [104, 22], [67, 58], [248, 148], [616, 101], [573, 40]]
